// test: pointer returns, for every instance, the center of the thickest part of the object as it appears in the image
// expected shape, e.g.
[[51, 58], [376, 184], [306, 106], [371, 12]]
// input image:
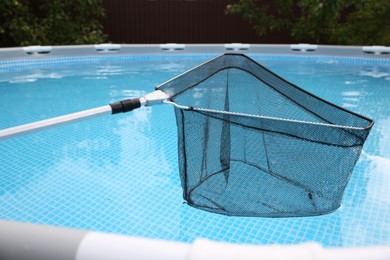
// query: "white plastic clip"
[[107, 47], [172, 47], [376, 49], [237, 46], [303, 47], [37, 49]]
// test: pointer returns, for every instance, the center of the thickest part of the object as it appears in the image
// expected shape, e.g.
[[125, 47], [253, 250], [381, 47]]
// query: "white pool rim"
[[302, 49], [32, 241]]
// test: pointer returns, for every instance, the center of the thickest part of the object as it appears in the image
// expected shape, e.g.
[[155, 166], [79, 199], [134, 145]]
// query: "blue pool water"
[[119, 174]]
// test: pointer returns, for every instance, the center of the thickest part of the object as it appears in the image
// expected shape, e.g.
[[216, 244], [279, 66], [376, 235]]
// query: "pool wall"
[[39, 52]]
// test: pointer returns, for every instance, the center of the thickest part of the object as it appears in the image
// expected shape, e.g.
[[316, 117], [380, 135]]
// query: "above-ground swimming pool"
[[119, 174]]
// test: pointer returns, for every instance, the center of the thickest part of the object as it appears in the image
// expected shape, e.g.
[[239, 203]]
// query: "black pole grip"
[[125, 105]]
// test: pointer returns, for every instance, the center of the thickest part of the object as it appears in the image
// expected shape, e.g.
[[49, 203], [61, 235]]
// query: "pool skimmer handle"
[[151, 99]]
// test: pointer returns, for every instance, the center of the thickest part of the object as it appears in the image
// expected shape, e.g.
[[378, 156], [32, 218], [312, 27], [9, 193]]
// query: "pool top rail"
[[303, 49]]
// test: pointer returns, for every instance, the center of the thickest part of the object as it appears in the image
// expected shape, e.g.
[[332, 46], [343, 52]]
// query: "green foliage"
[[265, 17], [369, 24], [50, 22], [354, 22]]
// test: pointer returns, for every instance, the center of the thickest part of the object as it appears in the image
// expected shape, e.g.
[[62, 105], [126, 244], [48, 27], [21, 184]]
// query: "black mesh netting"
[[253, 144]]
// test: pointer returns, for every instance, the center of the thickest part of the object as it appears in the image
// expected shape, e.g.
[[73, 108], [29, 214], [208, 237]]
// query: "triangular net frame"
[[253, 144]]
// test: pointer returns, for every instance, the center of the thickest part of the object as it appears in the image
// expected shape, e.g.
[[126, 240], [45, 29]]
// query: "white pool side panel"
[[100, 246], [205, 249], [39, 242]]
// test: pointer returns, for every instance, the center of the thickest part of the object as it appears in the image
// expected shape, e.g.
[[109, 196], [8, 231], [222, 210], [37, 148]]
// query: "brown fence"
[[178, 21]]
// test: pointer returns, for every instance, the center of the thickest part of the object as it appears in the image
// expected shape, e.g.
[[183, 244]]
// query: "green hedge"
[[351, 22], [50, 22]]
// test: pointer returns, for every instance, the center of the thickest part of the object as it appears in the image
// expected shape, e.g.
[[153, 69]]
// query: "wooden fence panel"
[[178, 21]]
